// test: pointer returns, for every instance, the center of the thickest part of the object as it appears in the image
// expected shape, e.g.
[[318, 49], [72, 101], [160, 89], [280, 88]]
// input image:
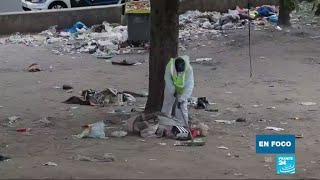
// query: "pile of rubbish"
[[195, 23], [106, 40], [101, 98], [147, 126], [101, 40]]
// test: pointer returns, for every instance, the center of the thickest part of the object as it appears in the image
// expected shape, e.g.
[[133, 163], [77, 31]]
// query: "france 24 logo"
[[286, 164]]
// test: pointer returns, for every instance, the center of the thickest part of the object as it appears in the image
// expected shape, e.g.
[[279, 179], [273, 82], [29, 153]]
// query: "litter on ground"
[[274, 128]]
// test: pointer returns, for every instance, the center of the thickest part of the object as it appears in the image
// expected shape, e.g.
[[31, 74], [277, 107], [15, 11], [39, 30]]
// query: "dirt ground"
[[286, 69]]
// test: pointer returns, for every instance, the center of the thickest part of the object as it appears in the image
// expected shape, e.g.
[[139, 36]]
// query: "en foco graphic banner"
[[275, 144]]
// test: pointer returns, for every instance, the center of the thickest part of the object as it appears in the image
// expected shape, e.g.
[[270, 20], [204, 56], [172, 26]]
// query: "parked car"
[[29, 5]]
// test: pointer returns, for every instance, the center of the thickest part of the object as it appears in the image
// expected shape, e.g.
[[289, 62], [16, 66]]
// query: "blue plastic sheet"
[[77, 25]]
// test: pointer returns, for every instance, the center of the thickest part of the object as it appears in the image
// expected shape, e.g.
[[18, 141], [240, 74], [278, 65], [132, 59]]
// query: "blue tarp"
[[265, 11], [77, 25]]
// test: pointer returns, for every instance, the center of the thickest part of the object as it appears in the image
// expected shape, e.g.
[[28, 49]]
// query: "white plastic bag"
[[95, 130]]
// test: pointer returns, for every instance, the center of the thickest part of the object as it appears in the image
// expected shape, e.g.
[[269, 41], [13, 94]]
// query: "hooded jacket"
[[182, 85]]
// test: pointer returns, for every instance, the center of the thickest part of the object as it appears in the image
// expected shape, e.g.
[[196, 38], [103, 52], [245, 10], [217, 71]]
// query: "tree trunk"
[[284, 14], [164, 32], [317, 13]]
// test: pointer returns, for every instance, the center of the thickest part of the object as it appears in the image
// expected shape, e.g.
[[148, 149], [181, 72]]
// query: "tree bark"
[[164, 32], [317, 13], [284, 14]]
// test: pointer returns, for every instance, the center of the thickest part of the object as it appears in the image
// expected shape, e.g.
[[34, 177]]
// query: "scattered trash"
[[241, 120], [295, 118], [223, 147], [4, 158], [78, 27], [118, 134], [284, 123], [274, 128], [315, 37], [94, 97], [50, 164], [203, 59], [308, 103], [150, 131], [162, 144], [95, 130], [45, 121], [255, 105], [13, 119], [106, 158], [152, 159], [102, 55], [273, 107], [136, 94], [69, 91], [195, 132], [56, 87], [34, 68], [195, 142], [123, 63], [312, 110], [225, 121], [278, 28], [23, 129], [299, 136], [202, 103], [238, 105], [203, 129], [76, 100], [268, 159], [66, 87], [238, 174], [74, 107]]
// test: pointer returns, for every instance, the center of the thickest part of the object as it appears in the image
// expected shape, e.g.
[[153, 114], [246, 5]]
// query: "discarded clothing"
[[181, 133], [153, 126]]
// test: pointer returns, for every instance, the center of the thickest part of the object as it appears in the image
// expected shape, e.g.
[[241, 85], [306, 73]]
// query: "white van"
[[30, 5]]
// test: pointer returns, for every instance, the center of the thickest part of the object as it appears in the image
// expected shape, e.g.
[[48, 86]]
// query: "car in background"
[[30, 5]]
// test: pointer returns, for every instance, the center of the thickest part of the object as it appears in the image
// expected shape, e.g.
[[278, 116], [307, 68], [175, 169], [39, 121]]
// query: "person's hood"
[[186, 59]]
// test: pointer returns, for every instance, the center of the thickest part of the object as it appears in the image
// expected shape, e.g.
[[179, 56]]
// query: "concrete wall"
[[220, 5], [39, 21]]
